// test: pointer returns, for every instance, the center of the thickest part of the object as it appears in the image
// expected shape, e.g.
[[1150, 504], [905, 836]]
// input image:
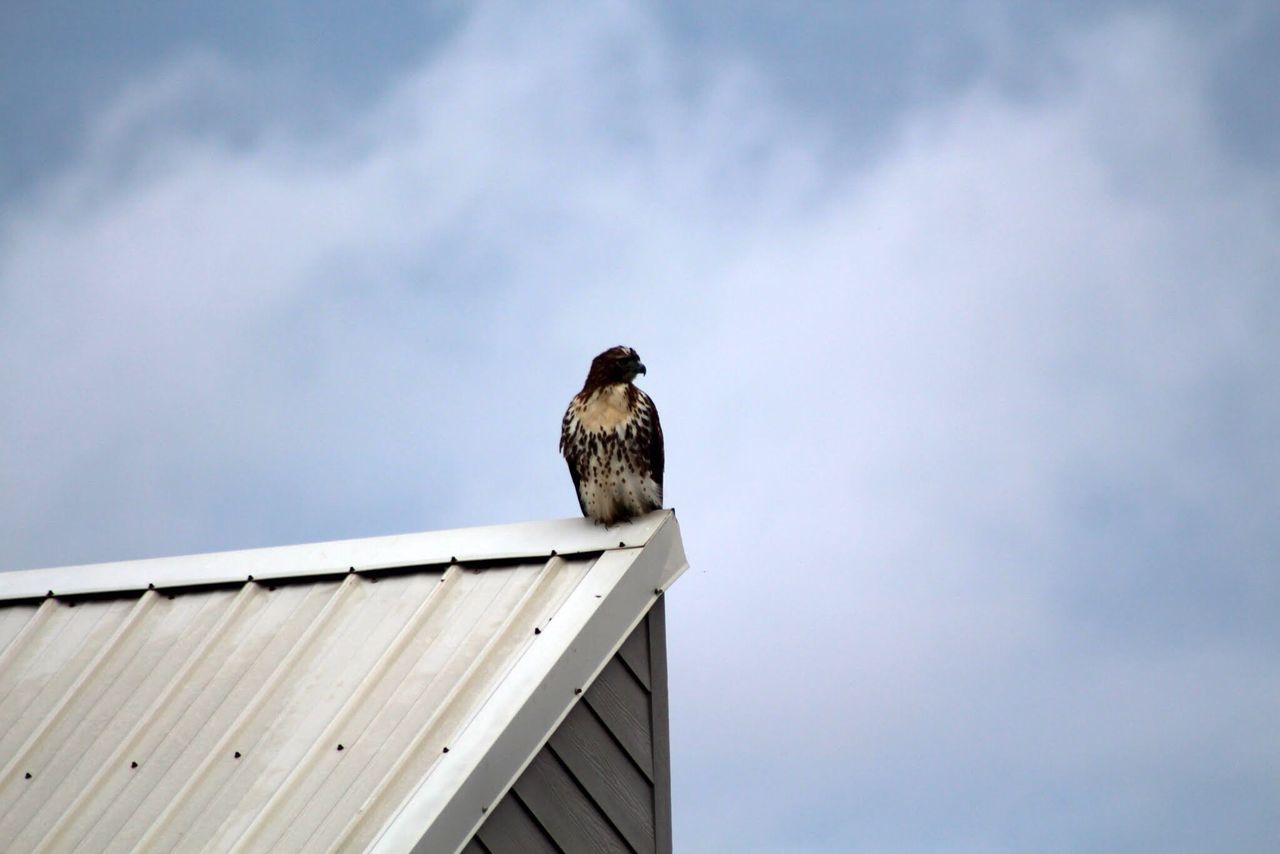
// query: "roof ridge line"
[[430, 548]]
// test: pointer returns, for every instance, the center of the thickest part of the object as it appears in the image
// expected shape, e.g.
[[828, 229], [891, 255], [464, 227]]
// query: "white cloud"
[[969, 443]]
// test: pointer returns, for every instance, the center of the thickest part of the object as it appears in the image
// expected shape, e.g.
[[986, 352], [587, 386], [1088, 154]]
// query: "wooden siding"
[[602, 783]]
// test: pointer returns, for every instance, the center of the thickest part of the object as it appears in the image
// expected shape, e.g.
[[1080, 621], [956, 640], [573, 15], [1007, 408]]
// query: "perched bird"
[[612, 441]]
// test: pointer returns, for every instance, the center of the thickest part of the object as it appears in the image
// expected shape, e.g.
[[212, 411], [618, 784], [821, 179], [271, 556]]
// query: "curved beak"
[[640, 368]]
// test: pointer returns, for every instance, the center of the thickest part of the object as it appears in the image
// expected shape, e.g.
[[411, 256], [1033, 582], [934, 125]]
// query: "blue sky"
[[961, 320]]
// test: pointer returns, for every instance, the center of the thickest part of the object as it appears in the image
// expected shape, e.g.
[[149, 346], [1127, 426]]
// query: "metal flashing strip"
[[445, 810], [461, 545]]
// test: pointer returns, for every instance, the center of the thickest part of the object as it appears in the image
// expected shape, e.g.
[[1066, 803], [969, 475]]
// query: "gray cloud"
[[971, 435]]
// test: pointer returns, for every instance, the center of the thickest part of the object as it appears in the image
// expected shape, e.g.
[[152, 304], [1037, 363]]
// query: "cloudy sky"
[[962, 320]]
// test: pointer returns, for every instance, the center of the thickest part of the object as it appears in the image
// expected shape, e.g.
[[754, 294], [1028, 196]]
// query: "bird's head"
[[615, 365]]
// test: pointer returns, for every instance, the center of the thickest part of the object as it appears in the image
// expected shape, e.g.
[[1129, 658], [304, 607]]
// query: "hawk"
[[612, 441]]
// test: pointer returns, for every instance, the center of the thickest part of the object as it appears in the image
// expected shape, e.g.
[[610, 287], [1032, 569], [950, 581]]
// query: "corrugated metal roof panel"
[[307, 713]]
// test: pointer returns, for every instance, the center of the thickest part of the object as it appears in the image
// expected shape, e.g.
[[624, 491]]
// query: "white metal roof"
[[376, 694]]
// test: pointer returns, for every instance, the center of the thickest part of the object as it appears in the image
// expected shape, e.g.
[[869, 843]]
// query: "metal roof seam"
[[423, 690], [251, 592], [143, 605], [525, 649], [302, 644], [427, 727], [259, 692], [52, 838], [424, 610], [29, 629]]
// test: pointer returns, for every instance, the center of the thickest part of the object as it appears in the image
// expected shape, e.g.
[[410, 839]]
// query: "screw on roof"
[[237, 754], [133, 764], [340, 747]]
